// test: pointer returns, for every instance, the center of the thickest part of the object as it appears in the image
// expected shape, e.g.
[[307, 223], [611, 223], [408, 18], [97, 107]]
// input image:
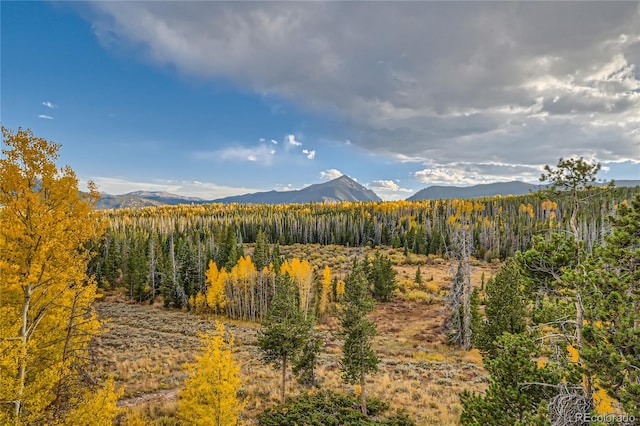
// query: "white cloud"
[[330, 174], [205, 190], [273, 141], [388, 185], [389, 190], [260, 154], [46, 117], [291, 140], [460, 173], [49, 104], [496, 81], [287, 187], [311, 154]]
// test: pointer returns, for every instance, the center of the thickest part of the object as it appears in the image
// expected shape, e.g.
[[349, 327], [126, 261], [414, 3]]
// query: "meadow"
[[146, 347]]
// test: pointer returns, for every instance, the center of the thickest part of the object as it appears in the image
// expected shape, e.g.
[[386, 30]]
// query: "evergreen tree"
[[358, 358], [306, 361], [516, 392], [611, 287], [261, 256], [383, 277], [504, 308], [285, 331], [418, 277], [137, 270]]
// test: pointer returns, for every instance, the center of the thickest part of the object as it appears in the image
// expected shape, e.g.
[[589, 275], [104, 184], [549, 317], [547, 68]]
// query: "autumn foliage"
[[46, 318]]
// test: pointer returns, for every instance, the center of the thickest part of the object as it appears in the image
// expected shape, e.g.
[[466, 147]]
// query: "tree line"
[[166, 250]]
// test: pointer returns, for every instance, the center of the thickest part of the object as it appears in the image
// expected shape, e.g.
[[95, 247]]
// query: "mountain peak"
[[342, 188]]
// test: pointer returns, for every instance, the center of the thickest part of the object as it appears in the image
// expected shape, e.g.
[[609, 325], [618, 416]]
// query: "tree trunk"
[[22, 372], [70, 324], [363, 396], [466, 289], [284, 376]]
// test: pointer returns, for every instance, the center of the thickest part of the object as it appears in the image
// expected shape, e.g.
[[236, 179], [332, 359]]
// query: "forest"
[[506, 310]]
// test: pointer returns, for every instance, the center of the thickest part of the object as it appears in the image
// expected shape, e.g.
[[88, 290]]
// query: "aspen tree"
[[210, 396], [46, 318]]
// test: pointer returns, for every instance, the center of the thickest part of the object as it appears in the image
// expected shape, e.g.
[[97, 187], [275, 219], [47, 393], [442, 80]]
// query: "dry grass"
[[146, 347]]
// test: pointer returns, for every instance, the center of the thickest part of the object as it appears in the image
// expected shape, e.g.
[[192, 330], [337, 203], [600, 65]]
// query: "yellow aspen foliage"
[[46, 315], [339, 289], [199, 303], [302, 276], [95, 409], [573, 354], [134, 418], [245, 270], [215, 280], [325, 296], [210, 396], [602, 401]]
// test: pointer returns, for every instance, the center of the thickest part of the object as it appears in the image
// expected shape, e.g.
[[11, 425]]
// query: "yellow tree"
[[210, 396], [215, 280], [46, 318], [302, 275], [327, 290]]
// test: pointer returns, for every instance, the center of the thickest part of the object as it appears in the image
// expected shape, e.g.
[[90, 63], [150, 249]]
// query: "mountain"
[[490, 189], [139, 199], [340, 189], [483, 190]]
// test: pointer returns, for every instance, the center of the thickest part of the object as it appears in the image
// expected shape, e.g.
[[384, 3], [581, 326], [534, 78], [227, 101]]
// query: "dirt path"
[[161, 395]]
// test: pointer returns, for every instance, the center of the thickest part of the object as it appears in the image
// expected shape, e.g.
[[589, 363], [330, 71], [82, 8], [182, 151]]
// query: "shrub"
[[327, 408]]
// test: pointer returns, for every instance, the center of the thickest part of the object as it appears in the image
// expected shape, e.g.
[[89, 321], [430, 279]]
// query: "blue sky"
[[213, 99]]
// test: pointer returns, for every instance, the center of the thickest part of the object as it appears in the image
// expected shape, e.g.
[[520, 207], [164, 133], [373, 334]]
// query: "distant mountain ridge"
[[482, 190], [137, 200], [340, 189], [436, 192], [343, 188]]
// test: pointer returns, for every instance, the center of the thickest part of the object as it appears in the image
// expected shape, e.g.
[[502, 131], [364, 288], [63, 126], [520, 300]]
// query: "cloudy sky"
[[214, 98]]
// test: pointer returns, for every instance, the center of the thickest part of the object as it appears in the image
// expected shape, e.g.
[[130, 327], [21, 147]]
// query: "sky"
[[213, 99]]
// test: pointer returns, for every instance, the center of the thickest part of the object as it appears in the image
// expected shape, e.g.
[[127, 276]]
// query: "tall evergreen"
[[358, 358], [382, 276], [610, 283], [285, 331], [517, 391], [261, 256], [504, 308]]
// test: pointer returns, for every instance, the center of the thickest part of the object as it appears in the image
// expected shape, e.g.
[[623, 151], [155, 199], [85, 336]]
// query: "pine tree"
[[210, 395], [418, 277], [610, 282], [516, 391], [261, 256], [504, 308], [285, 331], [306, 362], [358, 358], [383, 277], [46, 316]]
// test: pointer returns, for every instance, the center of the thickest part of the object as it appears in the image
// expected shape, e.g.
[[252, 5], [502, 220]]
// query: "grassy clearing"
[[146, 347]]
